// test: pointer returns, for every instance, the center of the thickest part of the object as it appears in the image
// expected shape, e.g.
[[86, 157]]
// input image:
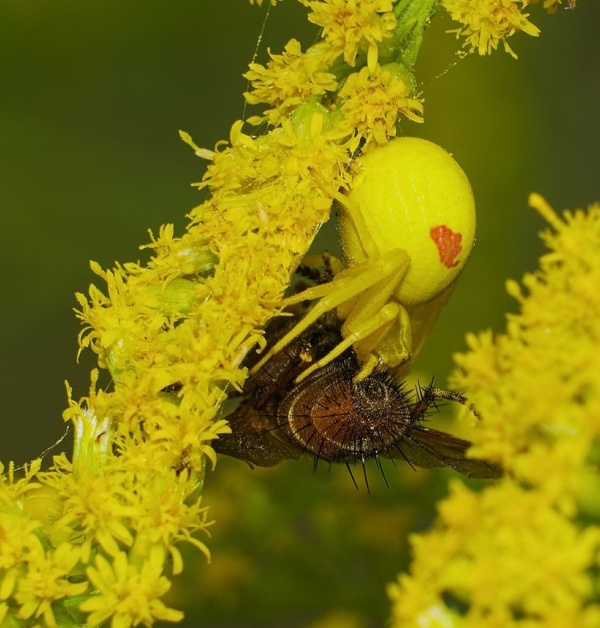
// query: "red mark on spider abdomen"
[[448, 244]]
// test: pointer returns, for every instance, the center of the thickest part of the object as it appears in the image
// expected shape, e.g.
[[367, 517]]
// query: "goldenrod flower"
[[373, 102], [288, 80], [47, 580], [519, 552], [486, 23], [353, 26], [99, 505], [129, 595]]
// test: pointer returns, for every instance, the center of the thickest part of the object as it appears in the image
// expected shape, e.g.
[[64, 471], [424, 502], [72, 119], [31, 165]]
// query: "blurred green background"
[[92, 96]]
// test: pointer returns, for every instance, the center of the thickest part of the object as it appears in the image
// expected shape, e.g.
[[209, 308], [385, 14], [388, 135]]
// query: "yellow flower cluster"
[[525, 552], [351, 26], [360, 98], [288, 80], [373, 101], [487, 23]]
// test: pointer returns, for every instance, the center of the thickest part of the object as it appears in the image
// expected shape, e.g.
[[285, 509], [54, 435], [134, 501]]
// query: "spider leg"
[[371, 284], [387, 313]]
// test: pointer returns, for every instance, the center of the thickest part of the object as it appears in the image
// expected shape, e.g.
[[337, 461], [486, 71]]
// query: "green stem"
[[413, 18]]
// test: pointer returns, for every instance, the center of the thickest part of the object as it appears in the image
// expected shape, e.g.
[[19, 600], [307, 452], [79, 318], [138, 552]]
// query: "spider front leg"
[[363, 295]]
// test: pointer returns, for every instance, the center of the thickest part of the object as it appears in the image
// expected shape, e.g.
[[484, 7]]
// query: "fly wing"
[[255, 438], [424, 447]]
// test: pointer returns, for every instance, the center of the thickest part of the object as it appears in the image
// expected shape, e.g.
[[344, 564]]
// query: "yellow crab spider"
[[407, 228]]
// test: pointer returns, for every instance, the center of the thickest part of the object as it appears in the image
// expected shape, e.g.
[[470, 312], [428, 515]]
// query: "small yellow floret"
[[352, 27], [486, 23], [288, 80], [373, 102]]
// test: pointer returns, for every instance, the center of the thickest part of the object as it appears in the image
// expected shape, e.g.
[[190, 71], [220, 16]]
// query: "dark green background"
[[92, 96]]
